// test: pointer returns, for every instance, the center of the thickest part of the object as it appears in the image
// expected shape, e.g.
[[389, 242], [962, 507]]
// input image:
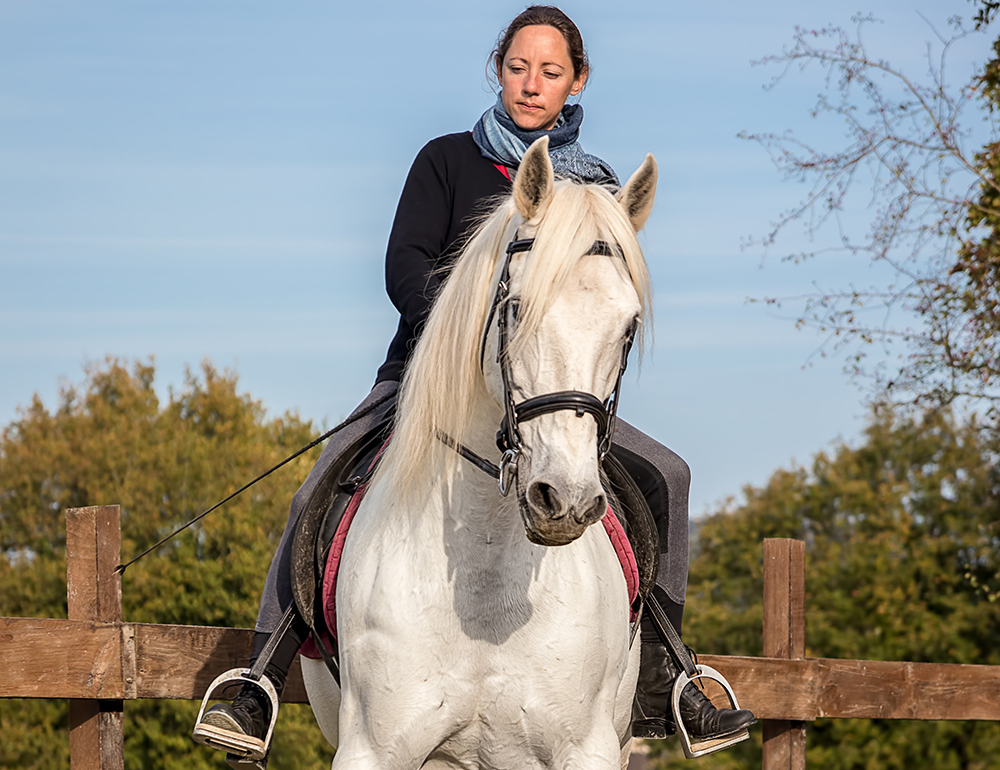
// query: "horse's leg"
[[324, 697], [394, 740], [623, 702], [358, 751], [601, 749], [626, 754]]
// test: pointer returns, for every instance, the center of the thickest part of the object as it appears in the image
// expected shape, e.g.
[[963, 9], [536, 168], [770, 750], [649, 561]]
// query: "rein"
[[509, 440], [357, 415]]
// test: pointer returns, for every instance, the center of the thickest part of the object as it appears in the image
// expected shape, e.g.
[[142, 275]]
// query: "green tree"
[[895, 530], [112, 441]]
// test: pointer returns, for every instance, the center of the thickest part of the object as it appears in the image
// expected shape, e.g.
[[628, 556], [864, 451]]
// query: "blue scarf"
[[501, 141]]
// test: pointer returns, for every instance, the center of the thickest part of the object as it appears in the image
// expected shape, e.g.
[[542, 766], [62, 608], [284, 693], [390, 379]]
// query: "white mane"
[[443, 381]]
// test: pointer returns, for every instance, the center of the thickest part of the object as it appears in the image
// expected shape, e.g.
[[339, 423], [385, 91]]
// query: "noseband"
[[509, 440]]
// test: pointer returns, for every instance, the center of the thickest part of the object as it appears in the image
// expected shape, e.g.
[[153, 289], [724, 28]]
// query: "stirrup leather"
[[689, 672], [245, 747]]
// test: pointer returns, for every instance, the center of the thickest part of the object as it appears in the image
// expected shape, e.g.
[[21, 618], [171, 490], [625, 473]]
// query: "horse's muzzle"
[[552, 517]]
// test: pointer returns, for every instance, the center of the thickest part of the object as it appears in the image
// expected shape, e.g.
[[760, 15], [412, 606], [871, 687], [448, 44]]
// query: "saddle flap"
[[357, 470], [327, 495], [636, 518]]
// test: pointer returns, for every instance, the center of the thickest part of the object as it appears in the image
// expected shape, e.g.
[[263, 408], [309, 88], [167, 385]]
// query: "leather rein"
[[509, 440]]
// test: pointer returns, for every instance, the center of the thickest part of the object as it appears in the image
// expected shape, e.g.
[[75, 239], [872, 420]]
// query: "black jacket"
[[449, 185]]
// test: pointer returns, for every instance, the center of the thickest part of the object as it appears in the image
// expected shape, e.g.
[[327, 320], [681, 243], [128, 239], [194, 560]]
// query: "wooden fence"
[[98, 661]]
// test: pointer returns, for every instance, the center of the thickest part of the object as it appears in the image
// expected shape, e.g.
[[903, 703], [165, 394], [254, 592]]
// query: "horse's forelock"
[[577, 216]]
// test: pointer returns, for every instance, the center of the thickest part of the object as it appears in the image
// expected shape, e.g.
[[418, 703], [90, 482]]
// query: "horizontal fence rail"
[[98, 661], [45, 658]]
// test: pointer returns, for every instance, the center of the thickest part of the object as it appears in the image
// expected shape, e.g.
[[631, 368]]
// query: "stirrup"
[[700, 747], [246, 748], [237, 762]]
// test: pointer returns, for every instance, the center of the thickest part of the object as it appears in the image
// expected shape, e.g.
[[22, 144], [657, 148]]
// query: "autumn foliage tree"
[[112, 440], [901, 536]]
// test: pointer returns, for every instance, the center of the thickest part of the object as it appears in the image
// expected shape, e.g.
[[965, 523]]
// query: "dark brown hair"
[[549, 16]]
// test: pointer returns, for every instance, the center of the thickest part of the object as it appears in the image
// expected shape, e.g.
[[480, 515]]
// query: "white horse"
[[478, 630]]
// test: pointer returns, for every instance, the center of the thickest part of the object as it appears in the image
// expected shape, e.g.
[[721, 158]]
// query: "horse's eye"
[[515, 307]]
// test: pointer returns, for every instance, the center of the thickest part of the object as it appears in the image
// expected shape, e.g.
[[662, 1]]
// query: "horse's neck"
[[480, 515], [491, 564]]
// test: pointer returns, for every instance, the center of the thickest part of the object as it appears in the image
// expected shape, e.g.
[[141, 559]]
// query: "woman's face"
[[537, 77]]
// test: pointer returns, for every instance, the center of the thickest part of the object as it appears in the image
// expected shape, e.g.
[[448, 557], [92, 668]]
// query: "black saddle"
[[322, 514]]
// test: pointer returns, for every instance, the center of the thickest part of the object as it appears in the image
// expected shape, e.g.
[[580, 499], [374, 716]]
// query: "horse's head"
[[566, 312]]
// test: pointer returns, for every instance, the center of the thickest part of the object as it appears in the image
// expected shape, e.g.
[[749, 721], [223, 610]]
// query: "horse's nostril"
[[544, 497], [594, 511]]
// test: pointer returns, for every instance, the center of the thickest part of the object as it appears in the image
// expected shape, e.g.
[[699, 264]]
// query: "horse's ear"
[[534, 179], [638, 193]]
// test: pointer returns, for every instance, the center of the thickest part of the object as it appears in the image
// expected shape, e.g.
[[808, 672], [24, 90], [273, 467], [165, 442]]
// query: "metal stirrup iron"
[[688, 674], [247, 749]]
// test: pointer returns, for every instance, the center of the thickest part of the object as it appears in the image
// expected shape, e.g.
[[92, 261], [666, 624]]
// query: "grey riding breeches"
[[662, 476]]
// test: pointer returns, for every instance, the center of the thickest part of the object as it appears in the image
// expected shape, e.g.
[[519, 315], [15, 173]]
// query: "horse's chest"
[[501, 653], [531, 671], [511, 725]]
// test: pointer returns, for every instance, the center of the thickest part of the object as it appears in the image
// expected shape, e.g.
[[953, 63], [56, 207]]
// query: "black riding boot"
[[652, 716], [250, 712]]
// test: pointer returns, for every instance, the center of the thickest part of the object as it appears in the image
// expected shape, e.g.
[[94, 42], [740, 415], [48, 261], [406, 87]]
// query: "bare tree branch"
[[935, 210]]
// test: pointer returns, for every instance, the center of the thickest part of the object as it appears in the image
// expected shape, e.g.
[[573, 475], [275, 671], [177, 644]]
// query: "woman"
[[540, 62]]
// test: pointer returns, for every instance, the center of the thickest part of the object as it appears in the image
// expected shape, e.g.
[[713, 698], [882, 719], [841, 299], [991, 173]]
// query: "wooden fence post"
[[784, 637], [93, 547]]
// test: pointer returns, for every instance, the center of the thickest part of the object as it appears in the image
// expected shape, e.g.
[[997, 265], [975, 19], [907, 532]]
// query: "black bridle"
[[509, 440]]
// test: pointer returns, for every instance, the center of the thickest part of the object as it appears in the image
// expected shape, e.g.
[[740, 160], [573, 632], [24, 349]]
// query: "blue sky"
[[191, 180]]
